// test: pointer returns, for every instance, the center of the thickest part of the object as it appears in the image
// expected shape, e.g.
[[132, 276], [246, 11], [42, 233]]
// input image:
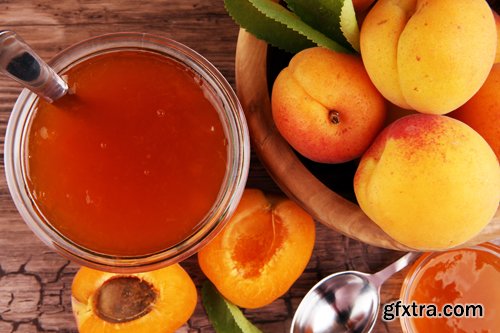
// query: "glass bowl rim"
[[231, 115], [414, 270]]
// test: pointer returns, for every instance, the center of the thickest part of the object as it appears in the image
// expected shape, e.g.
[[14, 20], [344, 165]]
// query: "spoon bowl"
[[341, 302], [345, 301], [20, 62]]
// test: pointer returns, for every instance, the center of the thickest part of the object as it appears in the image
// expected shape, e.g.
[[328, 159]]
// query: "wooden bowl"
[[297, 177]]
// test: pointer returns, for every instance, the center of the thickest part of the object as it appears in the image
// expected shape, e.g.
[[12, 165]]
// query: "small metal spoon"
[[21, 63], [345, 301]]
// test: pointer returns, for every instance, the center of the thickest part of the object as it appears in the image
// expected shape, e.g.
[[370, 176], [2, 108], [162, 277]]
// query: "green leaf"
[[224, 315], [278, 26], [265, 28], [335, 18], [349, 24]]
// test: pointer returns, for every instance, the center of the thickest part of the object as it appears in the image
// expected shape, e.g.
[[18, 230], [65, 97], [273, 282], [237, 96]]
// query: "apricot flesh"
[[154, 302], [430, 182], [428, 55], [261, 252]]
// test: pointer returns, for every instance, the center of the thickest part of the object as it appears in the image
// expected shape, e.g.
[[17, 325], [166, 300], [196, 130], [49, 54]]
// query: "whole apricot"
[[263, 249], [482, 111], [153, 302], [430, 182], [326, 107], [428, 55]]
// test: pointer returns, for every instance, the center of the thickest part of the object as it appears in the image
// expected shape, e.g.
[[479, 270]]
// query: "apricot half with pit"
[[261, 252], [155, 302]]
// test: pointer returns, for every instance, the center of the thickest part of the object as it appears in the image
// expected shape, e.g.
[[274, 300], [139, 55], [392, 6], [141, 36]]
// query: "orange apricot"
[[428, 55], [154, 302], [261, 252], [482, 111], [326, 107]]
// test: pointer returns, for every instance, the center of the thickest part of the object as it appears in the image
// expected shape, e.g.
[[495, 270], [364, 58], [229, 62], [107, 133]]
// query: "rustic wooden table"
[[35, 282]]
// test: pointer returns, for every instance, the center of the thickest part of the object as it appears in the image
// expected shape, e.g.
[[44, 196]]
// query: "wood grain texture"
[[35, 283]]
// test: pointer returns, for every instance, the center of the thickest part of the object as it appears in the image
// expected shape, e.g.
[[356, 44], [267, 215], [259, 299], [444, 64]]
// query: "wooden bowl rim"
[[285, 168]]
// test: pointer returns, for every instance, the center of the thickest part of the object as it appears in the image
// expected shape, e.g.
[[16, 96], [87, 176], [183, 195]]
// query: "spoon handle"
[[379, 278], [21, 63]]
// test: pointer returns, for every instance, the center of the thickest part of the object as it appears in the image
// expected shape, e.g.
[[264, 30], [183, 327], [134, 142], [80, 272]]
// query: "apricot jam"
[[132, 160], [460, 277]]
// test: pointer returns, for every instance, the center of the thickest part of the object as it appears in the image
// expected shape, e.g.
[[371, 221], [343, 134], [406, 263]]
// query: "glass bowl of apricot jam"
[[140, 165], [453, 291]]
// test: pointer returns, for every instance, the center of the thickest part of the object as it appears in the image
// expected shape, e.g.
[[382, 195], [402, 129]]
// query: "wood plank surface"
[[35, 283]]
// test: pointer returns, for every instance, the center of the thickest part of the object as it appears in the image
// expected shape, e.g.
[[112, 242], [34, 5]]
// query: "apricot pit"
[[124, 298]]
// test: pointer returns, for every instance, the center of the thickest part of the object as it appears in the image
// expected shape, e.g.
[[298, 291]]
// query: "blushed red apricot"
[[430, 182], [326, 107]]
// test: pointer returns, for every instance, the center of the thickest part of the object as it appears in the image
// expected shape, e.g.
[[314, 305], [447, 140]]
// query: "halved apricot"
[[154, 302], [264, 248]]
